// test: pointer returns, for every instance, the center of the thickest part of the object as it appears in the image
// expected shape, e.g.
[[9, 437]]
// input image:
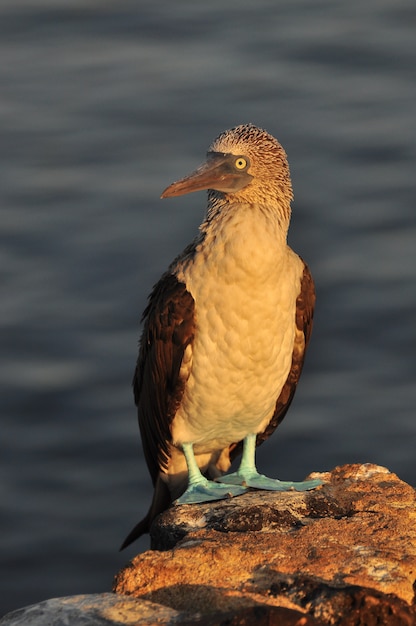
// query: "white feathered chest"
[[245, 281]]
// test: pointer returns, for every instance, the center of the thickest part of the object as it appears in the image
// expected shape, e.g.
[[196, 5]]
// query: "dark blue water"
[[104, 104]]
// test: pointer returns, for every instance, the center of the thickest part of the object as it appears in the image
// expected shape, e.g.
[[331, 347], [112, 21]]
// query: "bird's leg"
[[248, 476], [200, 489]]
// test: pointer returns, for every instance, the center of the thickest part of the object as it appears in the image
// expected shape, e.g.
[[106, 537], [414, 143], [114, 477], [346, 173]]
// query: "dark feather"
[[160, 502], [168, 330], [158, 389]]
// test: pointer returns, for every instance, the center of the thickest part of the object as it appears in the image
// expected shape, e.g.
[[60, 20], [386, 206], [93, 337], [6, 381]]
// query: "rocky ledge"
[[343, 554]]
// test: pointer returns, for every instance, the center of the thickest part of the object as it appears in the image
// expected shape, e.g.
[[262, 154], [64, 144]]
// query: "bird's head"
[[244, 164]]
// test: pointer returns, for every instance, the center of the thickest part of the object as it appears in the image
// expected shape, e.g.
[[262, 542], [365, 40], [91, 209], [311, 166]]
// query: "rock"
[[109, 609], [101, 609], [342, 554]]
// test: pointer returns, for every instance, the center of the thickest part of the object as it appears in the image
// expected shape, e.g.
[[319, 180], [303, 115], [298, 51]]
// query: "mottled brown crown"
[[268, 162]]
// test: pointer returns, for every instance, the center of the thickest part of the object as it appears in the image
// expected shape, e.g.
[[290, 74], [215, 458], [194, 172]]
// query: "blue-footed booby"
[[225, 330]]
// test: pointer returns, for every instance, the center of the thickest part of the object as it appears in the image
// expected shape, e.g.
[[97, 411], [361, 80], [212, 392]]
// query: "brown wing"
[[158, 389], [305, 304]]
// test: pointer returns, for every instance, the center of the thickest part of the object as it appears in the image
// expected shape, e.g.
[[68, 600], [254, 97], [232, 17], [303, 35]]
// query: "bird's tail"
[[161, 501]]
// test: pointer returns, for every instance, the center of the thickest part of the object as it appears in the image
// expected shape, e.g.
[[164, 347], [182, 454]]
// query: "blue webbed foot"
[[248, 476], [259, 481], [205, 490], [200, 489]]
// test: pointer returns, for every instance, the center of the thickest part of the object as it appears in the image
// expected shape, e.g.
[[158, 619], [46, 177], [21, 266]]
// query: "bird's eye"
[[241, 163]]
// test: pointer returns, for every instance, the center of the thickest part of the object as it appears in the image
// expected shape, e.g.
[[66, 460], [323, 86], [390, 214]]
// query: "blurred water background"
[[102, 105]]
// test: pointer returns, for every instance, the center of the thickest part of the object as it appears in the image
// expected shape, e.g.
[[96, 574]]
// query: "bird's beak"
[[218, 172]]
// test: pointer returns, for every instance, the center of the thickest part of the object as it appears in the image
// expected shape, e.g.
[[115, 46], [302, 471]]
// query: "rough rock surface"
[[108, 609], [343, 554], [91, 610]]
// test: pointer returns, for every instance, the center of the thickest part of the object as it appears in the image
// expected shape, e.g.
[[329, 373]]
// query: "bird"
[[225, 331]]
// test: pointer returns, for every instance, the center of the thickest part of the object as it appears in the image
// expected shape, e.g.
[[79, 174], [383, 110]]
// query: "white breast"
[[245, 281]]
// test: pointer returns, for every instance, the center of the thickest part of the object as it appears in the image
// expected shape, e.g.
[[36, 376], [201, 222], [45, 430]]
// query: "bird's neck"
[[267, 221], [238, 244]]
